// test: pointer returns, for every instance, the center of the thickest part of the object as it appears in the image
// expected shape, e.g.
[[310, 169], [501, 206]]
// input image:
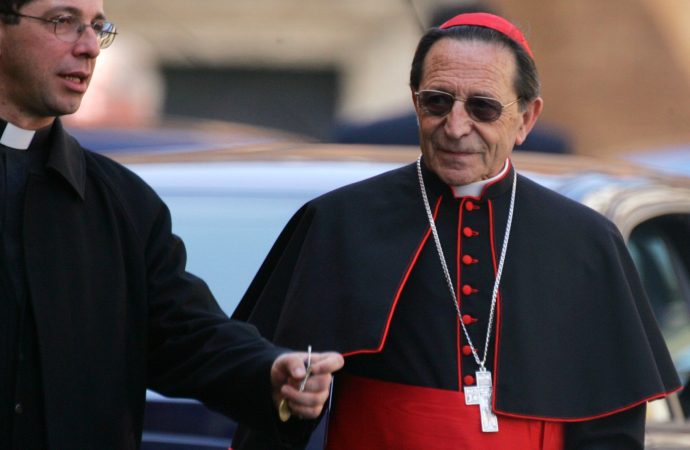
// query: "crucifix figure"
[[481, 395]]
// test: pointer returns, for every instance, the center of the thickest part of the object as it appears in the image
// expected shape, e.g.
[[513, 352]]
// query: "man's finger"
[[305, 404], [327, 362], [315, 384], [292, 364]]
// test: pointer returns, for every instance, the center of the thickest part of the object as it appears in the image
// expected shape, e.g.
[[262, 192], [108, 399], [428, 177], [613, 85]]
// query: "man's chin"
[[457, 177], [66, 109]]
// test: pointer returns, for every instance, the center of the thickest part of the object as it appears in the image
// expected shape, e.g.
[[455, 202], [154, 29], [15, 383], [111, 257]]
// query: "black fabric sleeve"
[[194, 349], [621, 431]]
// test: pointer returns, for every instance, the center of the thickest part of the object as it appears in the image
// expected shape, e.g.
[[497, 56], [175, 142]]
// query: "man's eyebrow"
[[71, 11], [483, 93], [439, 89]]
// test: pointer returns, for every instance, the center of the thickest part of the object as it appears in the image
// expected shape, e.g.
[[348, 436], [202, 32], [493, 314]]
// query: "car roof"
[[624, 191]]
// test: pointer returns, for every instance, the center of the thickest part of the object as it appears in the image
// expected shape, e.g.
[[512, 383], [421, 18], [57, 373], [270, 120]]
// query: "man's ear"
[[529, 117]]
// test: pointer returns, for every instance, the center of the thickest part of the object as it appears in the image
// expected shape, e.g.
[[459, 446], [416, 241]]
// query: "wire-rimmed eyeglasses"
[[69, 28]]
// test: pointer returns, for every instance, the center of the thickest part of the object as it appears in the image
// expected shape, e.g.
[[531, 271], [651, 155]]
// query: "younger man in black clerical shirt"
[[96, 305]]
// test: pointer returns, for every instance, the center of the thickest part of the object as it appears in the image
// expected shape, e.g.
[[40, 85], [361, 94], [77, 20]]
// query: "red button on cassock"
[[467, 290], [467, 260], [466, 350], [470, 206], [469, 232], [468, 380], [468, 320]]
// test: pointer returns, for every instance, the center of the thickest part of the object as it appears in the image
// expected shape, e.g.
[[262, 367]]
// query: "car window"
[[230, 214], [661, 251], [228, 236]]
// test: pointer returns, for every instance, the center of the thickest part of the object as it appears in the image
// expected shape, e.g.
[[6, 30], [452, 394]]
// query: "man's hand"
[[289, 370]]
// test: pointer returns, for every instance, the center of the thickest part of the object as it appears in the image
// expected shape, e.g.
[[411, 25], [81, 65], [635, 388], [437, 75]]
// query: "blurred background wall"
[[615, 73]]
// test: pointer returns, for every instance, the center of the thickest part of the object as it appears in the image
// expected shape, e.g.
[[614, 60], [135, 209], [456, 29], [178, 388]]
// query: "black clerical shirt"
[[22, 424]]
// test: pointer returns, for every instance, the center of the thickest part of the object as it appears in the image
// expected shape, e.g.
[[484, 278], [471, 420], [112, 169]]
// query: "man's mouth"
[[76, 81], [74, 78], [457, 151]]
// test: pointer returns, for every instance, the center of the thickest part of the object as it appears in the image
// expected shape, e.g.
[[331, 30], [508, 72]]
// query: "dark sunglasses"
[[481, 109]]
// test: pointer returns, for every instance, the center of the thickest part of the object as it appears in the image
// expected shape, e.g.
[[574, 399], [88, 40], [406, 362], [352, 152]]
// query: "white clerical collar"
[[15, 137], [475, 189]]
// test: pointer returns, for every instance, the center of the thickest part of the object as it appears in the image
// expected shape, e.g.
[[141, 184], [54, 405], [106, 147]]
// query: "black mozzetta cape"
[[575, 336]]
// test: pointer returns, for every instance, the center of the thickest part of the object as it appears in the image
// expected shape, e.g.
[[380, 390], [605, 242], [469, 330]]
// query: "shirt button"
[[18, 408], [466, 350], [468, 380], [469, 205]]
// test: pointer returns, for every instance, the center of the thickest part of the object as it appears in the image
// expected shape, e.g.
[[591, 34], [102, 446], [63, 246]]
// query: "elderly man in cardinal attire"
[[476, 309]]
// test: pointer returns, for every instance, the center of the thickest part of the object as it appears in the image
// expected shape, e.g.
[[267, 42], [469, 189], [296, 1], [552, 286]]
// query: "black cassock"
[[574, 338], [96, 306]]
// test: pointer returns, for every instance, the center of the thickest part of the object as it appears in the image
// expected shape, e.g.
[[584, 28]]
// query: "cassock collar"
[[475, 189], [65, 155], [487, 189]]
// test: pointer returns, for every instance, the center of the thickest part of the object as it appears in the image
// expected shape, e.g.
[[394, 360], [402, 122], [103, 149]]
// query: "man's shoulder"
[[102, 165], [109, 182], [383, 185], [94, 168], [553, 206], [103, 169]]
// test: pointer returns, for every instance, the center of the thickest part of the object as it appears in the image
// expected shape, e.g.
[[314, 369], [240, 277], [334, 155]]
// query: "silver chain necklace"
[[481, 394]]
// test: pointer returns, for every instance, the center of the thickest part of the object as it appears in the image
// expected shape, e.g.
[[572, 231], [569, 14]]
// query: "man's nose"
[[88, 43], [458, 122]]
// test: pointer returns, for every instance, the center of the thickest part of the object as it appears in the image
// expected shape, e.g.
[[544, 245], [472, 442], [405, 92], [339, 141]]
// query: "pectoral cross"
[[481, 395]]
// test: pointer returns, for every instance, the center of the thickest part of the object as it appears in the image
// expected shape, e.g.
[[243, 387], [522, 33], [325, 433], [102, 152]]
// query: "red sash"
[[371, 414]]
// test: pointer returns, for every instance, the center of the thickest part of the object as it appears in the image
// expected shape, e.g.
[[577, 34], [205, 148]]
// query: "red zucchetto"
[[493, 22]]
